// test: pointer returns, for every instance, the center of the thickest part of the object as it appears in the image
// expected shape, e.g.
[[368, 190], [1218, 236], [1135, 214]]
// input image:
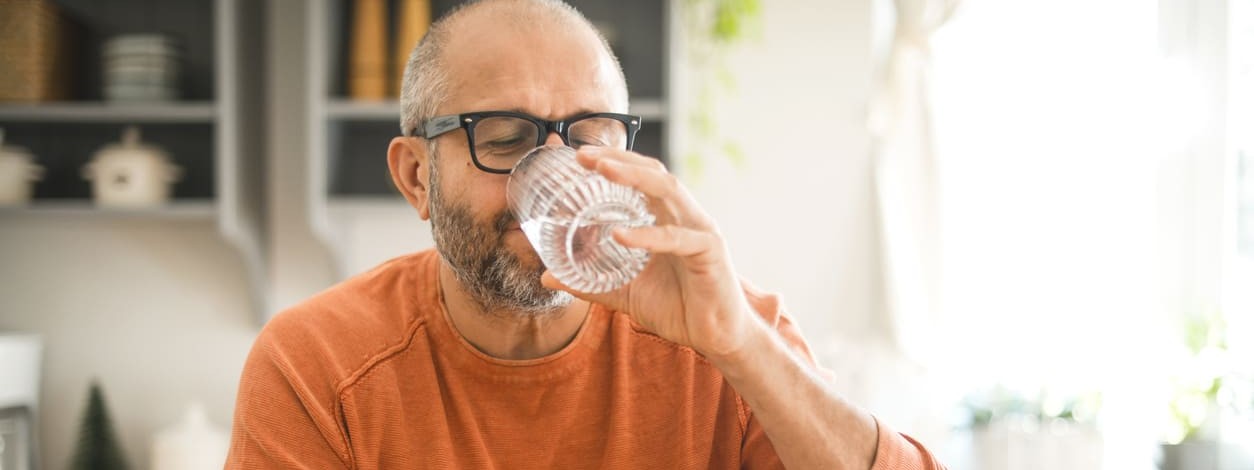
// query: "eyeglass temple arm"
[[436, 126]]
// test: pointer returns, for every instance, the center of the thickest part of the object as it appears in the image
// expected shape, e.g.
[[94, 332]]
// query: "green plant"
[[990, 404], [1196, 387], [714, 27], [97, 448]]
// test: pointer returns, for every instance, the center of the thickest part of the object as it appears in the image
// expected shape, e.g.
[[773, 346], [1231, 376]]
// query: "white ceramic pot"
[[193, 444], [18, 173], [131, 174]]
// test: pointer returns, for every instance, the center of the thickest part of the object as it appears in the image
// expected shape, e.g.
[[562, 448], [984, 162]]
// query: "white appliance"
[[19, 399]]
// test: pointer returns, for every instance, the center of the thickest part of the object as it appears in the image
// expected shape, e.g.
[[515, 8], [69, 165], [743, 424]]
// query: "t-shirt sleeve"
[[901, 452], [277, 424], [894, 451], [757, 453]]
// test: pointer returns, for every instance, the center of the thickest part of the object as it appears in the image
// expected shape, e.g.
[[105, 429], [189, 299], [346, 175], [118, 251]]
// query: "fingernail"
[[620, 232]]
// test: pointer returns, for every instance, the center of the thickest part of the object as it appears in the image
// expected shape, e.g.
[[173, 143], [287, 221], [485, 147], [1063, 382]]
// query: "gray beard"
[[493, 276]]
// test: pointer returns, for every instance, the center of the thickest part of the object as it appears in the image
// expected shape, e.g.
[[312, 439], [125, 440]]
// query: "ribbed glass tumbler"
[[568, 213]]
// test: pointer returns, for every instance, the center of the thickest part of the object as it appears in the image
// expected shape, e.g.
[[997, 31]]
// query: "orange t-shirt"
[[371, 374]]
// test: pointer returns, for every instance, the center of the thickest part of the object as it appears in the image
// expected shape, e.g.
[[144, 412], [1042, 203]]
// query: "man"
[[472, 356]]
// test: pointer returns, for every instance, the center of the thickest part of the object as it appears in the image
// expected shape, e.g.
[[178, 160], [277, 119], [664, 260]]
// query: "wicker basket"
[[35, 51]]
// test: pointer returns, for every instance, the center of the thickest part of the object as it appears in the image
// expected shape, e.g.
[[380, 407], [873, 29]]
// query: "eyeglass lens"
[[500, 141]]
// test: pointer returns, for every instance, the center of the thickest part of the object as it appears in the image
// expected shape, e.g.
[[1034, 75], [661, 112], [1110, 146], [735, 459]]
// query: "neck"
[[509, 334]]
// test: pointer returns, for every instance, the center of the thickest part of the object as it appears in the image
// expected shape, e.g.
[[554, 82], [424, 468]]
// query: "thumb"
[[549, 281]]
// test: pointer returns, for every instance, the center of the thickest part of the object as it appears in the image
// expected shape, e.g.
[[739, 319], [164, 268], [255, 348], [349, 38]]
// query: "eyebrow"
[[580, 112]]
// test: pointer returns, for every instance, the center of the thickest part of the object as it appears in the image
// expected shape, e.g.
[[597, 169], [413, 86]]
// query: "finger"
[[670, 239], [660, 185], [649, 181], [650, 177], [589, 155]]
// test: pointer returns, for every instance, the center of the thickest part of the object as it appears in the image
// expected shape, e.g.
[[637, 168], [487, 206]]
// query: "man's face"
[[547, 72]]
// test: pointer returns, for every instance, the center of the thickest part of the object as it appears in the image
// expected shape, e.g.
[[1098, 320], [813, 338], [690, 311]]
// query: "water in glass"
[[568, 213]]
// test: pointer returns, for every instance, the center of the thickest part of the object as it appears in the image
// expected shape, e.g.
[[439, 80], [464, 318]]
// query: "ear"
[[409, 163]]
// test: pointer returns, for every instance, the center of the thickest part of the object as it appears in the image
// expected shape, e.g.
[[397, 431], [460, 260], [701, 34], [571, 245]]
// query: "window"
[[1083, 149]]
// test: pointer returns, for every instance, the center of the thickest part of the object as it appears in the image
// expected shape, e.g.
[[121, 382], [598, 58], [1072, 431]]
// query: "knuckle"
[[671, 184], [714, 238], [670, 232]]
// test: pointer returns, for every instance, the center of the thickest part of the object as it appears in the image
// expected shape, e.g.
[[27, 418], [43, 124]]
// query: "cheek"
[[487, 202], [489, 199], [483, 192]]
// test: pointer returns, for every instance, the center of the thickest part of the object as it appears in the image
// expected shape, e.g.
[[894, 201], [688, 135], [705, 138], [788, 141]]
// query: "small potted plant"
[[1206, 391], [1039, 429]]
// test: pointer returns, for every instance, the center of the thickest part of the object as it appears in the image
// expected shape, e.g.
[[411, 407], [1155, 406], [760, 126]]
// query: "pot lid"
[[13, 151], [131, 146]]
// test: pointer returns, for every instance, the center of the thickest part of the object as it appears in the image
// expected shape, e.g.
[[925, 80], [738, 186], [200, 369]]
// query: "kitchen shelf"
[[93, 112], [651, 110], [214, 136], [366, 203], [190, 210], [363, 110]]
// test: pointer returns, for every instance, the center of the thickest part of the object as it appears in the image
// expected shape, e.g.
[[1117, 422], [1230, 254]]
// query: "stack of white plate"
[[142, 67]]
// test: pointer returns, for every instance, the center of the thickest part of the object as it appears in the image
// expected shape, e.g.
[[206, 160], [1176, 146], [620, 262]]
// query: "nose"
[[554, 139]]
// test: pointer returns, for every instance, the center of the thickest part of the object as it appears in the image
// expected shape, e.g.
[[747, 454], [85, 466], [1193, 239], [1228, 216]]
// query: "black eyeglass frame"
[[440, 125]]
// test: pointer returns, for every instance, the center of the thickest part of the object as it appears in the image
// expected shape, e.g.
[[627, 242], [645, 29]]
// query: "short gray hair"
[[425, 85]]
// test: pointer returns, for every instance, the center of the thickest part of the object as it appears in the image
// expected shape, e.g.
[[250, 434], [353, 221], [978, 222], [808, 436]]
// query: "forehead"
[[543, 67]]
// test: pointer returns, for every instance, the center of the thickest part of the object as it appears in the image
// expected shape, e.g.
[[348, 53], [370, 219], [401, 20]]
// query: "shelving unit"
[[348, 139], [89, 112], [651, 110], [189, 210], [213, 133]]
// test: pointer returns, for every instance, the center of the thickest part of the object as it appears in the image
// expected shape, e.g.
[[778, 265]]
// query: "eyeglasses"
[[498, 139]]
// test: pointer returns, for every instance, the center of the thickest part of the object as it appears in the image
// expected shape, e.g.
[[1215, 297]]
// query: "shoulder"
[[289, 390], [345, 328]]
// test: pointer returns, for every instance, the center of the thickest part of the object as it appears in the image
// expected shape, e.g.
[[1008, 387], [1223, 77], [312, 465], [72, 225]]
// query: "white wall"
[[798, 214], [157, 310]]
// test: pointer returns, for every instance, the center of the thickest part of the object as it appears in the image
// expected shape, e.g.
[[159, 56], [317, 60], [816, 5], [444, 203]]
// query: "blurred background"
[[1022, 232]]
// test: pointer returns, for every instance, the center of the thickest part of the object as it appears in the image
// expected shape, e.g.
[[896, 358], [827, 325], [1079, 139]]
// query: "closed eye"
[[580, 142], [509, 142]]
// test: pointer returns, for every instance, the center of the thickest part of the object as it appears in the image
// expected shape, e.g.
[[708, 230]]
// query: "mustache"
[[502, 221]]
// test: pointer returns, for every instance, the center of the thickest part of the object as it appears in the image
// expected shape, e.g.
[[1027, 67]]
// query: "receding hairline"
[[521, 14]]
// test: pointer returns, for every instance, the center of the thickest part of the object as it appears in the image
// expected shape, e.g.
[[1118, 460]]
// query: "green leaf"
[[732, 19], [726, 79], [714, 27], [702, 123], [694, 165], [735, 154]]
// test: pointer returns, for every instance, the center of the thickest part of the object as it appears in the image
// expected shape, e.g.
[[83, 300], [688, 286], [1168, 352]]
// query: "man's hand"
[[688, 292]]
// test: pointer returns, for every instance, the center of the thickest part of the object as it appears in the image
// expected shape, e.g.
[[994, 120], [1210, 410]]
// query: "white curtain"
[[906, 179], [1063, 204]]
